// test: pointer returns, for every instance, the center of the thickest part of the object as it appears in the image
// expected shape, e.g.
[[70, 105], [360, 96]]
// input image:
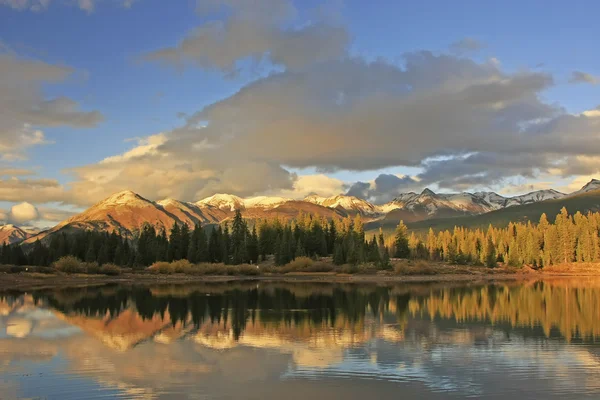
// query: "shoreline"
[[37, 281]]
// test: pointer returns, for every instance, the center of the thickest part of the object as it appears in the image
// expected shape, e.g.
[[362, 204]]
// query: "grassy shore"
[[402, 271]]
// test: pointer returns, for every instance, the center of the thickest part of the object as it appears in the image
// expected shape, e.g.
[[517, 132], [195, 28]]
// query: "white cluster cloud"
[[22, 213]]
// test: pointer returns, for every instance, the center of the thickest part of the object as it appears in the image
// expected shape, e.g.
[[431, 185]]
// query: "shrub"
[[348, 269], [91, 268], [420, 268], [110, 269], [367, 269], [181, 266], [69, 265], [161, 267], [305, 264]]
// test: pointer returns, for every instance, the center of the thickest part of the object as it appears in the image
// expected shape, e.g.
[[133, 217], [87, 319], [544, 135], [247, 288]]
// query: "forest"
[[567, 239]]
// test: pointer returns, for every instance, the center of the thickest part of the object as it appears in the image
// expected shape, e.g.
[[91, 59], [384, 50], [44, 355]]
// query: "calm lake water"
[[303, 341]]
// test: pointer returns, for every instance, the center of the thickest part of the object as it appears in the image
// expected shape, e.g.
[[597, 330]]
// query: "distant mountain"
[[224, 202], [10, 234], [582, 202], [125, 212], [534, 197], [349, 204], [592, 185]]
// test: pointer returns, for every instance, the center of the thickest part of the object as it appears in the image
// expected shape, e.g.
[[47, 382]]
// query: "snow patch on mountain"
[[10, 234], [592, 185], [348, 203], [534, 197], [222, 201], [124, 198], [265, 202]]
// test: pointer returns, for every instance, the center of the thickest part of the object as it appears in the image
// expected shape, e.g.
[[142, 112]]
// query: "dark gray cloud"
[[583, 77], [384, 188]]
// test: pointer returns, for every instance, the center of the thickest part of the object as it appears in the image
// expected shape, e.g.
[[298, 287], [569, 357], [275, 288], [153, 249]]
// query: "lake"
[[259, 340]]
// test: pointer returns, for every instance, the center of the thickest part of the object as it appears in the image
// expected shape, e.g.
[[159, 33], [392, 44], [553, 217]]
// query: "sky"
[[187, 98]]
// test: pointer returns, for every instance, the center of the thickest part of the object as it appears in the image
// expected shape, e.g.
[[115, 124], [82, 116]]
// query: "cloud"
[[87, 5], [466, 45], [384, 188], [305, 185], [22, 213], [22, 5], [516, 189], [583, 77], [54, 214], [16, 172], [463, 123], [253, 30], [24, 111], [33, 190]]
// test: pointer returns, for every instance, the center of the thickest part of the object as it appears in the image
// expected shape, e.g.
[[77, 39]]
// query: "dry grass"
[[410, 268], [573, 268], [185, 267]]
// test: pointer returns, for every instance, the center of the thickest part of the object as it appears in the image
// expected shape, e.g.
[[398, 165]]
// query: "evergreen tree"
[[238, 239], [401, 247], [252, 246], [490, 255]]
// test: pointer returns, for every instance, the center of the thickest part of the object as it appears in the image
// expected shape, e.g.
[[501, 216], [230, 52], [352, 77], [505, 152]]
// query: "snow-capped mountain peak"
[[265, 202], [10, 234], [348, 203], [492, 198], [124, 198], [222, 201], [592, 185], [534, 197]]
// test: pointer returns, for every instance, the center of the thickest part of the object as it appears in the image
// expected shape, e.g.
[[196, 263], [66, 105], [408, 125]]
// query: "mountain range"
[[125, 212]]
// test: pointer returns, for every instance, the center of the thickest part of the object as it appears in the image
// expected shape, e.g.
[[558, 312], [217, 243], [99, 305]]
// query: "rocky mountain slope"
[[10, 234], [126, 212]]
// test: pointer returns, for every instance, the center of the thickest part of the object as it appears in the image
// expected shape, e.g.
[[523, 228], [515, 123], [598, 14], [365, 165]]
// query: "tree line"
[[567, 239]]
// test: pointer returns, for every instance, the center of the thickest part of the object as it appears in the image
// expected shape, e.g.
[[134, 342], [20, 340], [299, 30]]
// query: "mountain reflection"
[[223, 315], [268, 338]]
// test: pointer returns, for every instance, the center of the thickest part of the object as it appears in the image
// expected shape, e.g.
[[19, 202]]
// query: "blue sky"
[[107, 48]]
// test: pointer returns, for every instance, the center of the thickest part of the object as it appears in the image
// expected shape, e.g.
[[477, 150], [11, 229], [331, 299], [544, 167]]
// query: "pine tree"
[[184, 242], [401, 247], [490, 254], [238, 239], [175, 251], [252, 246], [338, 254]]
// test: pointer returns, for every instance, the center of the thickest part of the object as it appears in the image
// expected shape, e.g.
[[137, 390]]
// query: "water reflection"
[[249, 340]]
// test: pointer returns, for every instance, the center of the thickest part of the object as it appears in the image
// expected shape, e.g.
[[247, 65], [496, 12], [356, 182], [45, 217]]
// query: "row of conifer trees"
[[568, 239]]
